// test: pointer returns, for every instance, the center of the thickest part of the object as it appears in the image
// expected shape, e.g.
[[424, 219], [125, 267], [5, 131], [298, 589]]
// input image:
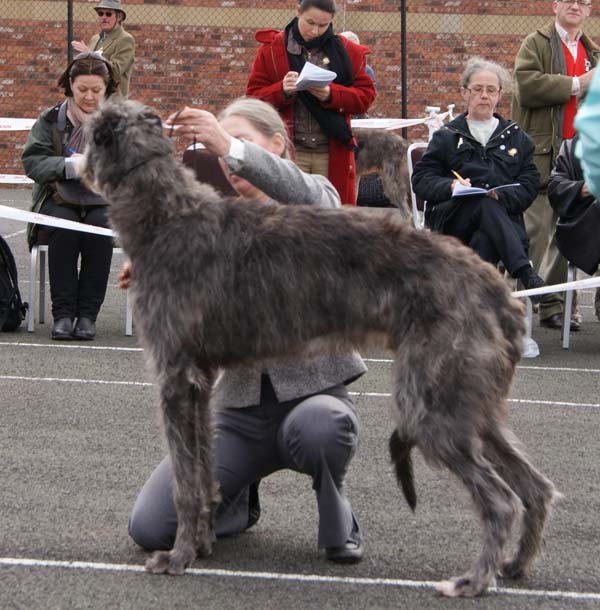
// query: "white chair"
[[413, 154], [38, 261], [568, 309]]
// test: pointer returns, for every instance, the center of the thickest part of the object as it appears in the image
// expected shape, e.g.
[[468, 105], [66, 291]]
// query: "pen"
[[457, 175], [72, 151]]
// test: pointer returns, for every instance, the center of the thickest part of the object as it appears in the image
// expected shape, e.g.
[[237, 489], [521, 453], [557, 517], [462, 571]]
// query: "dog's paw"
[[166, 562], [463, 586], [512, 569]]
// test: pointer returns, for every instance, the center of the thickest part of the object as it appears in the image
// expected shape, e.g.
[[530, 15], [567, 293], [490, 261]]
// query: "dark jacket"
[[579, 217], [506, 158]]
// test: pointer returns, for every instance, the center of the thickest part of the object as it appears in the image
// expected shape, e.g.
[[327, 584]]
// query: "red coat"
[[271, 65]]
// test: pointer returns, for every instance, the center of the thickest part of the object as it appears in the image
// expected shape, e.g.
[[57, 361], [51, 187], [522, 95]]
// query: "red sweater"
[[574, 68], [271, 65]]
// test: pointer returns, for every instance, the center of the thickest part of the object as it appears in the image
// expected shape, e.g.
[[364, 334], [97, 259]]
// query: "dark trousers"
[[484, 224], [316, 436], [77, 292]]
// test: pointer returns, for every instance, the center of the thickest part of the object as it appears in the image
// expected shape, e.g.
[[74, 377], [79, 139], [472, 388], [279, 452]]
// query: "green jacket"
[[118, 48], [542, 89], [43, 160]]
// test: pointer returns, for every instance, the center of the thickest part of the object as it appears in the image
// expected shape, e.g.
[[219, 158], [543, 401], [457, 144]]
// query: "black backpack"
[[12, 309]]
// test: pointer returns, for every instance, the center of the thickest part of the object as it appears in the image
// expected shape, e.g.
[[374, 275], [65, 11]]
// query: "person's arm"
[[562, 188], [535, 86], [431, 179], [587, 123], [281, 179], [39, 158], [264, 82]]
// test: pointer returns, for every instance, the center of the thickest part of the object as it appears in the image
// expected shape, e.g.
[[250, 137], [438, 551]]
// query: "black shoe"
[[554, 321], [85, 330], [253, 505], [351, 552], [63, 329], [530, 279]]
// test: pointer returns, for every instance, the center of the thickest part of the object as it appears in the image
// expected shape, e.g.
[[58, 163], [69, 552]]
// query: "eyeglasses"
[[579, 2], [480, 90], [105, 13]]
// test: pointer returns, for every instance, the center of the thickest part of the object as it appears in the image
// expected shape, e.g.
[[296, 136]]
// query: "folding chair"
[[413, 154], [568, 309], [37, 262]]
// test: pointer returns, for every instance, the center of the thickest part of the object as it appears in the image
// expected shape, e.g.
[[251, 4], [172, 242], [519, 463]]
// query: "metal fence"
[[199, 52]]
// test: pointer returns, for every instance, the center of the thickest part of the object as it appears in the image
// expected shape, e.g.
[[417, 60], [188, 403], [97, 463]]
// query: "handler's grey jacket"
[[284, 182]]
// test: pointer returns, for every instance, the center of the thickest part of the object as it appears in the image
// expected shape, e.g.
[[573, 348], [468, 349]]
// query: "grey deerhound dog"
[[384, 152], [219, 282]]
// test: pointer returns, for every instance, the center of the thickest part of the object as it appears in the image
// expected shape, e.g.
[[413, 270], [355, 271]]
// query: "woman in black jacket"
[[481, 149]]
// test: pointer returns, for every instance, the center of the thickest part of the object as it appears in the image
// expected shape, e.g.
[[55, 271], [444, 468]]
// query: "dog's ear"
[[151, 119], [108, 131]]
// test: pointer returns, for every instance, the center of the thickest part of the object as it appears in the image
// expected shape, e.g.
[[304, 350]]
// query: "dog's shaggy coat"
[[219, 282]]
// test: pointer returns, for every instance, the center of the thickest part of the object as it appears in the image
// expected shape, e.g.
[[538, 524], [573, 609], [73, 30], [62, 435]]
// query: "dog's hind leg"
[[185, 403], [497, 506], [533, 488]]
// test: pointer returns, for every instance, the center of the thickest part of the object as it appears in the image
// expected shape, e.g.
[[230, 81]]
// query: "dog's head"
[[121, 137]]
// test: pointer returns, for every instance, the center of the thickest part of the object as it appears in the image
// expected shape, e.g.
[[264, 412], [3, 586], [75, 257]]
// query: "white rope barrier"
[[51, 221], [9, 124], [14, 179], [591, 282]]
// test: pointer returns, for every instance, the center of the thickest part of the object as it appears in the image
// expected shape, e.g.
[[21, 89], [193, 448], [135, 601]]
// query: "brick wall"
[[199, 52]]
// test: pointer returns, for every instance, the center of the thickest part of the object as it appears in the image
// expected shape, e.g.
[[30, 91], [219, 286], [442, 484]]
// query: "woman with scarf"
[[318, 118], [50, 156]]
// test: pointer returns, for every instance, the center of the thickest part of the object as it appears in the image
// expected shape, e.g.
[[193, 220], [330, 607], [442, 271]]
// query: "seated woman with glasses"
[[481, 149]]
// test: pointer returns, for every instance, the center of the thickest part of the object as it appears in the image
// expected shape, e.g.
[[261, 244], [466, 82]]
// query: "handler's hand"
[[80, 46], [124, 278], [201, 126], [321, 93], [288, 84]]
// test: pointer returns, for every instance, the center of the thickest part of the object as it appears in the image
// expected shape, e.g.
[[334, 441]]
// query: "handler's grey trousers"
[[316, 436]]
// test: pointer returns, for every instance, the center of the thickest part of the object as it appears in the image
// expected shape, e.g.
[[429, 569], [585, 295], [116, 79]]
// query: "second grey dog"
[[219, 282]]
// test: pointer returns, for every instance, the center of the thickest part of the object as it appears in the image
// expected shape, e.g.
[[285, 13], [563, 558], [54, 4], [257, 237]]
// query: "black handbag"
[[74, 193], [578, 239]]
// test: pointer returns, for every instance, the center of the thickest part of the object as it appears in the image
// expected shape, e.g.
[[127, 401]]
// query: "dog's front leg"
[[182, 399]]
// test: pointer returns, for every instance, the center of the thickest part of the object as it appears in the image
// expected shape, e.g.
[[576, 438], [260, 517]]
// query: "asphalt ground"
[[80, 432]]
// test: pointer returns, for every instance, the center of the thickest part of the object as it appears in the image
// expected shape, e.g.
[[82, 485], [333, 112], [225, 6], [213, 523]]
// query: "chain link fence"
[[199, 52]]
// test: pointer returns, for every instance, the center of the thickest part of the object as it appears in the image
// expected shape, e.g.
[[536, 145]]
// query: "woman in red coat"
[[318, 118]]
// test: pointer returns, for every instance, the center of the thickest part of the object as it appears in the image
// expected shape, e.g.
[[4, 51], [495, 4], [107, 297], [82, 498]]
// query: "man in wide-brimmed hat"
[[115, 44]]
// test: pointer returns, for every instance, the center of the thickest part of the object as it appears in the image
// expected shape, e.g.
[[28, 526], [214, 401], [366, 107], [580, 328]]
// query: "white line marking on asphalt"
[[14, 234], [109, 348], [74, 346], [358, 394], [309, 578], [75, 380]]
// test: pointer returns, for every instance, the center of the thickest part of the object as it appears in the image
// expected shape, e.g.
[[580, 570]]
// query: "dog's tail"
[[400, 453]]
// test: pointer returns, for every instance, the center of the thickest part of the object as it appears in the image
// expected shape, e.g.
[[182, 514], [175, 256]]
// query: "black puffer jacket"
[[506, 158]]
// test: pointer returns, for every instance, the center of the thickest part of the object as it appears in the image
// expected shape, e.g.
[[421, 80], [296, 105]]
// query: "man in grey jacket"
[[553, 69]]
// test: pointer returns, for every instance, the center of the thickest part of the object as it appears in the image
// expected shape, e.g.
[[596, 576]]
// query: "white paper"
[[313, 76], [460, 190]]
